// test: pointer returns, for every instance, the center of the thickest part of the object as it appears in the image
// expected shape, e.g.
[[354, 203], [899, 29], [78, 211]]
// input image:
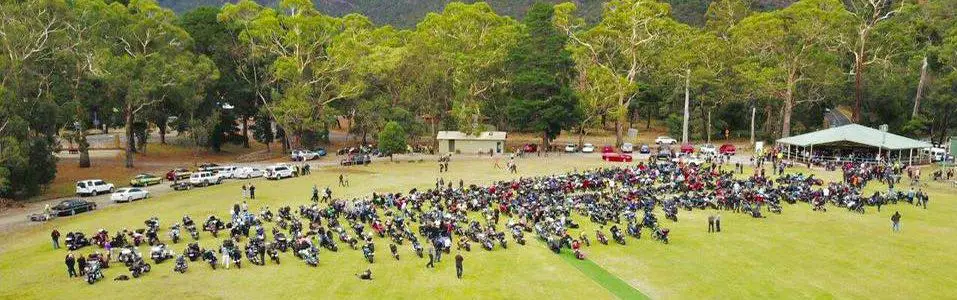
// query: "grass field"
[[798, 254]]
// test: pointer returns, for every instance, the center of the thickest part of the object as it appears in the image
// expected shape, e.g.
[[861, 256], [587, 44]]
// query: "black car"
[[72, 207]]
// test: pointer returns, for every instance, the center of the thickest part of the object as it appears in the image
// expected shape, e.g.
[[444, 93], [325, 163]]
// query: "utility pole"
[[684, 127]]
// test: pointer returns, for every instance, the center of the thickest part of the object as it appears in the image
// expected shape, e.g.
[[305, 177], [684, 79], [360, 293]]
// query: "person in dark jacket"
[[458, 265], [70, 264], [896, 221], [252, 191], [56, 238], [81, 264]]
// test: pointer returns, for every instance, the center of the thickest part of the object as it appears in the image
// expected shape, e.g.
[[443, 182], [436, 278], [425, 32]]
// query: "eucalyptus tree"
[[793, 53]]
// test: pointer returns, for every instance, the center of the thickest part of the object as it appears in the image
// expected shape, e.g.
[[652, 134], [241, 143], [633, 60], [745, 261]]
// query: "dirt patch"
[[7, 204]]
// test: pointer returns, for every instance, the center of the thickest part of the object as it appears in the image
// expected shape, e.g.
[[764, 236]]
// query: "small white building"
[[459, 142]]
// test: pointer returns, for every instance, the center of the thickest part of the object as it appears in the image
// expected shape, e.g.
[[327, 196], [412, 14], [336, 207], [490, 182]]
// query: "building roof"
[[485, 135], [855, 133]]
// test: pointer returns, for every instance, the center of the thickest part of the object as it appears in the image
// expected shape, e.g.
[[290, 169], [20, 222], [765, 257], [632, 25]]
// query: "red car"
[[727, 149], [530, 148], [178, 174], [607, 149], [687, 148], [619, 157]]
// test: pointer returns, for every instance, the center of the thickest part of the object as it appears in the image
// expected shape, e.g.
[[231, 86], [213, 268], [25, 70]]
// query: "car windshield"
[[80, 184], [121, 190]]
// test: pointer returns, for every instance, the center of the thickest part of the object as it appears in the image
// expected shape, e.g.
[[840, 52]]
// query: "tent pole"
[[910, 160]]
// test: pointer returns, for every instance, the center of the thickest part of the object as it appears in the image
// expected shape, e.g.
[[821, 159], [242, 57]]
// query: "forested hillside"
[[406, 13]]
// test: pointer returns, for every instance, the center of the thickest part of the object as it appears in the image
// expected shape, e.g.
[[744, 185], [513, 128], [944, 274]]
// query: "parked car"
[[93, 187], [727, 149], [358, 159], [248, 172], [204, 179], [627, 147], [588, 148], [708, 149], [181, 186], [687, 148], [224, 172], [278, 172], [664, 154], [206, 167], [571, 148], [72, 206], [530, 148], [129, 194], [303, 155], [607, 149], [178, 174], [145, 180], [321, 151], [617, 157], [644, 149], [665, 140]]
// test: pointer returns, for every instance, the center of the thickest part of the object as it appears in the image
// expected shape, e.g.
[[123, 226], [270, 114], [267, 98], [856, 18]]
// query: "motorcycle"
[[93, 272], [193, 252], [210, 257], [174, 234], [368, 253], [309, 257], [661, 234], [273, 254], [181, 265], [139, 267], [160, 253], [601, 238]]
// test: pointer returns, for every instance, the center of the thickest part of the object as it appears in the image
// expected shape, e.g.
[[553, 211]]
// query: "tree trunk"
[[618, 132], [245, 132], [684, 126], [130, 142], [581, 136], [709, 126], [786, 116], [858, 90], [544, 141], [920, 88], [84, 148], [162, 130]]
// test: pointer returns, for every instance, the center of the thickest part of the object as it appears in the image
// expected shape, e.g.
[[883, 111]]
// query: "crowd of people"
[[621, 202]]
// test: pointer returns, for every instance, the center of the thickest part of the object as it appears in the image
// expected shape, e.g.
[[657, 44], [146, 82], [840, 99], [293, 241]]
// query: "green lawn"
[[798, 254]]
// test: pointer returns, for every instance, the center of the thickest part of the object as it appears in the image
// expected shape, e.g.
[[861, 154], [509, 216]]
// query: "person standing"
[[315, 193], [252, 191], [711, 223], [245, 191], [55, 235], [226, 256], [342, 183], [458, 265], [81, 264], [717, 223], [431, 263], [70, 264], [896, 221]]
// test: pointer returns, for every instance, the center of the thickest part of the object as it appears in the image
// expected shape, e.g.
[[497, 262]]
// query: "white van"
[[92, 187], [225, 172], [278, 172], [936, 154], [204, 179]]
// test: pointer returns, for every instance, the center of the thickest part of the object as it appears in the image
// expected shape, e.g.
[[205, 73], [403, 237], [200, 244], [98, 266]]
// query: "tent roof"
[[856, 134], [458, 135]]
